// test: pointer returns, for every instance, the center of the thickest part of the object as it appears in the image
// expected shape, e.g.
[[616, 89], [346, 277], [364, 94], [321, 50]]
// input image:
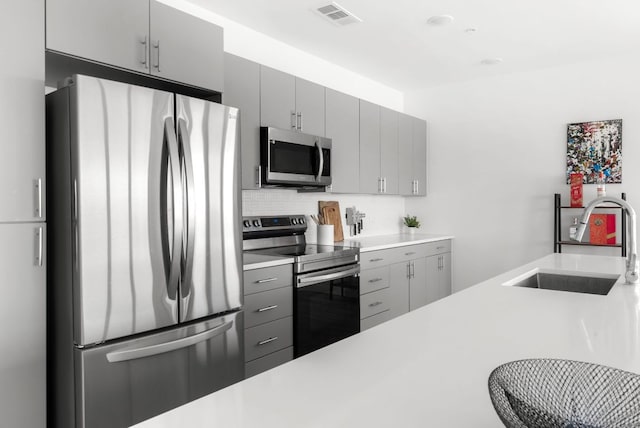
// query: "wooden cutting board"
[[330, 210]]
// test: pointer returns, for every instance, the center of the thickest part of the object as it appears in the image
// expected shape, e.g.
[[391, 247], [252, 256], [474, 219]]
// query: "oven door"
[[293, 158], [326, 308]]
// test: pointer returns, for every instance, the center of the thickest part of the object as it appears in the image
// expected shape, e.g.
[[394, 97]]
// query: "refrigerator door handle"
[[163, 348], [189, 197], [173, 259]]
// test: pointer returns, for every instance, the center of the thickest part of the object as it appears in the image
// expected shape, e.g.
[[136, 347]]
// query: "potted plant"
[[411, 222]]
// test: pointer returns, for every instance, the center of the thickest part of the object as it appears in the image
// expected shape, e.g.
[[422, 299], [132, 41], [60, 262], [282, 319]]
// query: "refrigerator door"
[[127, 209], [125, 383], [212, 257]]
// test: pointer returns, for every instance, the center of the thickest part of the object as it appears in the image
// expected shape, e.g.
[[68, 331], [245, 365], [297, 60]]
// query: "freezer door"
[[122, 384], [212, 267], [127, 209]]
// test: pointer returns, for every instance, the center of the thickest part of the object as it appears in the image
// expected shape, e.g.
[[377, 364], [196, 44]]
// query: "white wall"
[[384, 213], [247, 43], [497, 152]]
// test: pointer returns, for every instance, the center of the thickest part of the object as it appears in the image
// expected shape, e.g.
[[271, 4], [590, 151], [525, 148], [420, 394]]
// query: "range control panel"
[[265, 223]]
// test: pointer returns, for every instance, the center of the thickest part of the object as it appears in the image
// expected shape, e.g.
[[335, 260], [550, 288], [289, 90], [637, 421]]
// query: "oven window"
[[325, 313]]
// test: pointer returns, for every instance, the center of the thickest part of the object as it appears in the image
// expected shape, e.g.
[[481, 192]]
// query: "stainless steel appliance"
[[289, 158], [326, 278], [145, 290]]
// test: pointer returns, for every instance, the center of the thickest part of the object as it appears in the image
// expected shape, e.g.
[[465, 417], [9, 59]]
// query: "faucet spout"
[[631, 275]]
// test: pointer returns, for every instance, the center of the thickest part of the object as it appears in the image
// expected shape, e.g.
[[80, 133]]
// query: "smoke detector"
[[337, 14]]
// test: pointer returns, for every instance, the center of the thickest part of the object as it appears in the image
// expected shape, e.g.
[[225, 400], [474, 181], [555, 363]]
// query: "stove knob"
[[301, 220], [246, 223], [294, 221], [256, 223]]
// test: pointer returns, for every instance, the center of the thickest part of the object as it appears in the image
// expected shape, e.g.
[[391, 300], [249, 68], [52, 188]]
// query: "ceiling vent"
[[337, 14]]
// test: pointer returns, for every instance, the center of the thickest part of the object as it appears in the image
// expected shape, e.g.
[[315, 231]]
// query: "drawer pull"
[[375, 280], [376, 260], [268, 308], [411, 253], [269, 340], [262, 281], [374, 304], [440, 247]]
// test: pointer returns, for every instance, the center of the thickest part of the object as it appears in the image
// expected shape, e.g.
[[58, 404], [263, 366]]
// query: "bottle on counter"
[[573, 229], [600, 185]]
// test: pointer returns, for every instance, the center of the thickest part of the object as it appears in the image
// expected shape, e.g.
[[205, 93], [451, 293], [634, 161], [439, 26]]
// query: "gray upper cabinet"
[[389, 150], [288, 102], [139, 35], [369, 148], [114, 32], [242, 90], [412, 144], [342, 127], [185, 48], [22, 163]]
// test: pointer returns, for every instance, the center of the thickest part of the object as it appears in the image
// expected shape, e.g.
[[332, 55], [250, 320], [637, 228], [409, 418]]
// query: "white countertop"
[[256, 261], [430, 367], [371, 243], [382, 242]]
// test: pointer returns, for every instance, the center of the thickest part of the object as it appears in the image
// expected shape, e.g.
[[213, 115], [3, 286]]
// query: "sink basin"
[[577, 282], [539, 393]]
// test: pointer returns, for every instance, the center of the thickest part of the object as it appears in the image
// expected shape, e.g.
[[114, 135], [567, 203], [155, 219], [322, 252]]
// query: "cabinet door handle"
[[376, 260], [38, 194], [413, 270], [143, 57], [39, 246], [294, 122], [299, 120], [267, 308], [374, 304], [413, 187], [269, 340], [262, 281], [375, 280], [156, 46], [384, 184]]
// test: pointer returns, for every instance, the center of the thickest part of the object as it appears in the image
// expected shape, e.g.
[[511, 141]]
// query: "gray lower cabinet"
[[412, 161], [23, 360], [242, 90], [268, 312], [411, 276], [145, 36], [289, 102], [342, 126]]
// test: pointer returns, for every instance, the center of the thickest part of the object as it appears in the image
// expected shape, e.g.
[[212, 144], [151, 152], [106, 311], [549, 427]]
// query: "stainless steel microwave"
[[289, 158]]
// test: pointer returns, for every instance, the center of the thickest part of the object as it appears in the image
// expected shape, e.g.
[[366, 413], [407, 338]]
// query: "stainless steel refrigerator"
[[145, 262]]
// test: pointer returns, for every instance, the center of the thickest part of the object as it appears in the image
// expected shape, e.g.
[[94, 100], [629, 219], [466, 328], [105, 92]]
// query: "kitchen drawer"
[[264, 279], [267, 306], [412, 252], [267, 338], [438, 247], [268, 362], [374, 279], [374, 259], [374, 303], [374, 320]]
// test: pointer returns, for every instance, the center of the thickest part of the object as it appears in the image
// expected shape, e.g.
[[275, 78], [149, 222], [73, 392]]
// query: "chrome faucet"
[[633, 265]]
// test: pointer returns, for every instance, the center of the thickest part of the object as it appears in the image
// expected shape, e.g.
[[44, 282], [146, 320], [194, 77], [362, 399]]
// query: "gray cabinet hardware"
[[268, 308], [269, 340]]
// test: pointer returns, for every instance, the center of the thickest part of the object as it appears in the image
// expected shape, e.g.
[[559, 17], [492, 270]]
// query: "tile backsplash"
[[384, 212]]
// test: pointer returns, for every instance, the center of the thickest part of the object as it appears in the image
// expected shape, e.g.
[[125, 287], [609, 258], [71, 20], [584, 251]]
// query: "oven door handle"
[[310, 280]]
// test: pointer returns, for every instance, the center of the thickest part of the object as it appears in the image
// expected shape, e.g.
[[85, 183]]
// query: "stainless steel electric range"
[[326, 305]]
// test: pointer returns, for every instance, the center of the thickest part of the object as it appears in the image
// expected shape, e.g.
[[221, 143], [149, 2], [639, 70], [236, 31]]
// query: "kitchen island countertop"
[[430, 366]]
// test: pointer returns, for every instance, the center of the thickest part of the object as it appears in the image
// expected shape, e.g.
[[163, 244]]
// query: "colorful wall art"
[[593, 147]]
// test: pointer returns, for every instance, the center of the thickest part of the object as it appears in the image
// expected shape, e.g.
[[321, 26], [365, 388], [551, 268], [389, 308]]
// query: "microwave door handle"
[[321, 167]]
